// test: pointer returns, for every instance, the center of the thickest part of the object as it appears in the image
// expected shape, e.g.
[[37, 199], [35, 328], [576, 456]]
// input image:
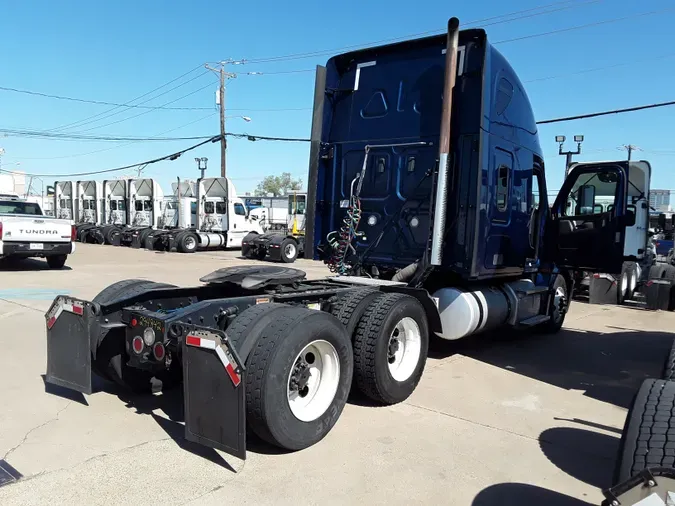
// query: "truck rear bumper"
[[23, 249], [213, 373]]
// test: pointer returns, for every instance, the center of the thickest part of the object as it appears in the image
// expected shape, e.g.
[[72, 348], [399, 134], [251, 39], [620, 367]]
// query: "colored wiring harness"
[[341, 241]]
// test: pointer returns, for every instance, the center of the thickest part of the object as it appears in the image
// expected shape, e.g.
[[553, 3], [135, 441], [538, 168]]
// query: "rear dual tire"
[[390, 336], [298, 373]]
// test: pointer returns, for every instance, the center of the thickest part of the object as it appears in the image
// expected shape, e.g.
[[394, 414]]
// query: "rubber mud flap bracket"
[[70, 322], [213, 387]]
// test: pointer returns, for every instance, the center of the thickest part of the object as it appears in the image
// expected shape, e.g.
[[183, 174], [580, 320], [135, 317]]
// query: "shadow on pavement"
[[520, 494], [170, 403], [585, 455], [26, 264], [65, 393], [607, 367]]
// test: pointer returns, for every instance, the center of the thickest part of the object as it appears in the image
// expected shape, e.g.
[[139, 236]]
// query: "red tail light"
[[0, 231], [73, 233]]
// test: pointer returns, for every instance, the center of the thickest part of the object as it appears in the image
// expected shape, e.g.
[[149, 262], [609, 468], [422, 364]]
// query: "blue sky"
[[116, 51]]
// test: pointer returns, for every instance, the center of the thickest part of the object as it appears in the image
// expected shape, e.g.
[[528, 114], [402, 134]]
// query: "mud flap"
[[602, 289], [213, 386], [69, 325]]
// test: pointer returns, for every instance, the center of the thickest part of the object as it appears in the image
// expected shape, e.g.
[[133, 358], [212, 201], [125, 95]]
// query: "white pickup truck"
[[26, 232]]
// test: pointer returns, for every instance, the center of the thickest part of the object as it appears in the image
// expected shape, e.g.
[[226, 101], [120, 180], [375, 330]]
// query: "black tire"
[[280, 333], [656, 271], [56, 261], [143, 235], [149, 242], [110, 233], [647, 436], [668, 272], [555, 323], [350, 306], [246, 248], [669, 366], [288, 250], [187, 242], [111, 353], [372, 347], [632, 279]]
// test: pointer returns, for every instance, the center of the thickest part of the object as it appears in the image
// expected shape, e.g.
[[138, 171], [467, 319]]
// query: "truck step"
[[533, 290], [535, 320]]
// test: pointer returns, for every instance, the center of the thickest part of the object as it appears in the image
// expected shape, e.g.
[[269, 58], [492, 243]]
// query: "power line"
[[101, 138], [589, 25], [104, 115], [100, 102], [130, 101], [125, 144], [597, 69], [495, 20], [172, 156], [606, 113], [144, 112]]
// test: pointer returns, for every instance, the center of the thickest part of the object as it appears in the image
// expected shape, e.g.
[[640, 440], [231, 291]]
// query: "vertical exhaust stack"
[[441, 199]]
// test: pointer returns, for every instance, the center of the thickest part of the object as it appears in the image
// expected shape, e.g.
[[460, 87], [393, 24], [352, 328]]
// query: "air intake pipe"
[[441, 199]]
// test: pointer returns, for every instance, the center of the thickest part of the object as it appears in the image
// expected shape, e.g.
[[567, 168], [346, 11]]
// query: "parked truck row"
[[198, 215]]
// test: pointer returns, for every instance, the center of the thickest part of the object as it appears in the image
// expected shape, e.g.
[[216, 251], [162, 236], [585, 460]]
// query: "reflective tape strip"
[[229, 365], [200, 342], [223, 354], [72, 307]]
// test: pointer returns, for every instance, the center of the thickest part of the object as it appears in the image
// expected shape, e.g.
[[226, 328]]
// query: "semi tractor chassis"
[[256, 346]]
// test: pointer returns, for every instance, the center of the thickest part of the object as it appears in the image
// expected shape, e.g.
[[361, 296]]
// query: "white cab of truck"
[[25, 232]]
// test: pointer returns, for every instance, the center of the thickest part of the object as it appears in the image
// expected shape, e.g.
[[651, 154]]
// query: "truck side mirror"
[[662, 221], [629, 218], [587, 196]]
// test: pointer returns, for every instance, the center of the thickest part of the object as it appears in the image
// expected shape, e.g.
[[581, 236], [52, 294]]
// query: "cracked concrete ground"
[[496, 420]]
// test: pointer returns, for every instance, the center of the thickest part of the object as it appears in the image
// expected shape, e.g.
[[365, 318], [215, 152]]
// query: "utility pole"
[[630, 148], [560, 139], [220, 101]]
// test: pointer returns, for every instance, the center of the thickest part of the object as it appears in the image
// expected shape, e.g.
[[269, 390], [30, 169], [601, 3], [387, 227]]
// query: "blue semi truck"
[[424, 164]]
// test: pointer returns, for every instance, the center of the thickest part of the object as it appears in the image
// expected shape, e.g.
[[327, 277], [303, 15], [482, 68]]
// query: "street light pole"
[[201, 165], [560, 139]]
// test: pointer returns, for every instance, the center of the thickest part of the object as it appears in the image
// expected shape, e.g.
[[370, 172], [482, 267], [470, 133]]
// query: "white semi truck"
[[88, 208], [64, 200], [594, 196], [222, 220]]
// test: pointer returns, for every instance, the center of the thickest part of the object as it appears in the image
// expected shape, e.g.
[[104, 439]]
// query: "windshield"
[[10, 207]]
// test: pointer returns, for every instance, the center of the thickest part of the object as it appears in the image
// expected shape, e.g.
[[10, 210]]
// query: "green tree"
[[278, 186]]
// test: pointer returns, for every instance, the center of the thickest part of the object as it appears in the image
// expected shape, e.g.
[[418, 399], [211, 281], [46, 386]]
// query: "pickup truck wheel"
[[649, 432], [111, 353], [390, 348], [289, 250], [56, 261], [298, 374], [188, 242]]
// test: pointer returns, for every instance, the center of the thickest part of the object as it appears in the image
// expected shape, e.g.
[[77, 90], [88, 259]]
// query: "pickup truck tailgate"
[[35, 229]]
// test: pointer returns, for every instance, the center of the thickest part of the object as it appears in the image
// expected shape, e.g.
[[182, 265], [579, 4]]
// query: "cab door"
[[586, 236]]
